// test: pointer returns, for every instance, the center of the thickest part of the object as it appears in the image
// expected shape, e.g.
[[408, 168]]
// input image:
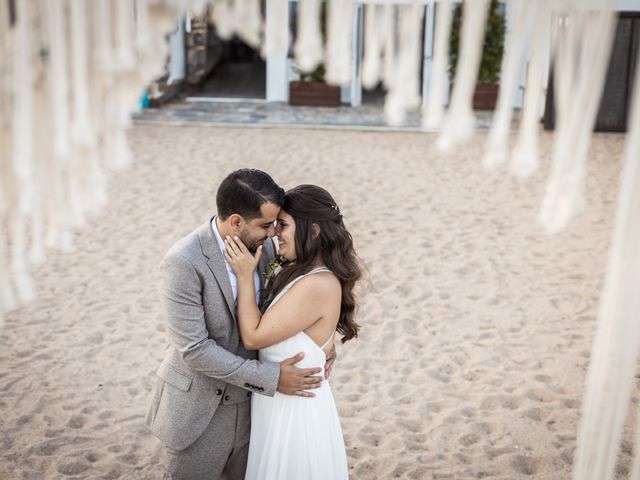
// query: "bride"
[[307, 302]]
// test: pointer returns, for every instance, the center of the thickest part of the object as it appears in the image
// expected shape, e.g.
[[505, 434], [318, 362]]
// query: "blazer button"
[[261, 389], [247, 385], [218, 391], [226, 398]]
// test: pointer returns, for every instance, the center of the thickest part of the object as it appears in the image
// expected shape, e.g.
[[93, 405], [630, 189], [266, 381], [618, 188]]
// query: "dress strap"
[[329, 340], [317, 270]]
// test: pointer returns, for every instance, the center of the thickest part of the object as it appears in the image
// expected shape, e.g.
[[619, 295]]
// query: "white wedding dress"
[[296, 438]]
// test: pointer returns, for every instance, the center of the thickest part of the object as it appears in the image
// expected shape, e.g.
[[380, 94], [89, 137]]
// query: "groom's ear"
[[236, 221]]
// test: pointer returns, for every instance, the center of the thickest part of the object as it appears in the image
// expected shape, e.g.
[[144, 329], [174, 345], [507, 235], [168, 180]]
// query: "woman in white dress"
[[307, 302]]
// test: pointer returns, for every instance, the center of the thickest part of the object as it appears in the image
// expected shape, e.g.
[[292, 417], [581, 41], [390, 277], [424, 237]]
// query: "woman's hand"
[[240, 258]]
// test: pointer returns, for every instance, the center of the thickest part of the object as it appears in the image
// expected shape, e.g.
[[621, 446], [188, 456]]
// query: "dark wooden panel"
[[612, 115], [635, 61]]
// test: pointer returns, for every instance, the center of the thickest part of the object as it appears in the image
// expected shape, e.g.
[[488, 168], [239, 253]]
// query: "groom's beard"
[[251, 244]]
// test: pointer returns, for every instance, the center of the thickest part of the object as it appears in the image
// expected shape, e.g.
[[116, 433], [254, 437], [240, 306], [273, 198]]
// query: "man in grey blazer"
[[200, 407]]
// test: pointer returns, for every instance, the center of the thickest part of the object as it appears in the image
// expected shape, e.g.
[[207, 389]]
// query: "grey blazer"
[[206, 363]]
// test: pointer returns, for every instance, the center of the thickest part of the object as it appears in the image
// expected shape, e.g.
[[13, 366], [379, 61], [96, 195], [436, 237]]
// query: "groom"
[[201, 404]]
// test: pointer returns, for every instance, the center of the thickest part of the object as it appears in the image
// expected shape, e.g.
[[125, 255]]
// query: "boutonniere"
[[274, 267]]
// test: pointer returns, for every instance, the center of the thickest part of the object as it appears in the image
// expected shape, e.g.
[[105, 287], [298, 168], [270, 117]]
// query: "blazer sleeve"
[[182, 292]]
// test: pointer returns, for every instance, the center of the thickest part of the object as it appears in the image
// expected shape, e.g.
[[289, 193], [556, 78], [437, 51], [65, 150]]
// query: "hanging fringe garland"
[[517, 36], [433, 113], [525, 160], [617, 340], [71, 73], [308, 48], [276, 29], [459, 123], [338, 52], [583, 46], [372, 61], [404, 90], [76, 68]]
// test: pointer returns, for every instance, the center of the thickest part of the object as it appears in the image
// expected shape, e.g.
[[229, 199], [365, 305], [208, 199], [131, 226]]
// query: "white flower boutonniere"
[[274, 267]]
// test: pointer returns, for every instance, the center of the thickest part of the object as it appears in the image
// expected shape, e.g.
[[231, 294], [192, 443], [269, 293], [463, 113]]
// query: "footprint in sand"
[[538, 395], [483, 428], [48, 447], [93, 457], [72, 468], [128, 459], [537, 414], [494, 401], [76, 421], [525, 465], [469, 439], [567, 455], [492, 453], [572, 403], [439, 375]]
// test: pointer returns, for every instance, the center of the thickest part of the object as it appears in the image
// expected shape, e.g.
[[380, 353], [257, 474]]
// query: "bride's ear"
[[315, 230]]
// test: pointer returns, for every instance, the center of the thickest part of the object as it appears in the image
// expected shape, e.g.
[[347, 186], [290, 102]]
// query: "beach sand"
[[476, 327]]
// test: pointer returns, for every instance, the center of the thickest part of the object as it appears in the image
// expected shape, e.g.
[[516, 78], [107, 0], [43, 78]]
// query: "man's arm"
[[185, 315], [182, 289]]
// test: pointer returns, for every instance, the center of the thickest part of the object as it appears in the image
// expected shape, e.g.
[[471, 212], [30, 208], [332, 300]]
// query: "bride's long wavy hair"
[[333, 245]]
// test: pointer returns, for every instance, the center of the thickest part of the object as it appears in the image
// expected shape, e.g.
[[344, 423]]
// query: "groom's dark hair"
[[245, 191]]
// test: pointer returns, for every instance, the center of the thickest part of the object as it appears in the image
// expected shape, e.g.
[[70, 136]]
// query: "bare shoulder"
[[320, 285]]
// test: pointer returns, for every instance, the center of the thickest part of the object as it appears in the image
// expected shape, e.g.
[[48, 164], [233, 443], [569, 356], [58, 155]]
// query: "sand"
[[476, 329]]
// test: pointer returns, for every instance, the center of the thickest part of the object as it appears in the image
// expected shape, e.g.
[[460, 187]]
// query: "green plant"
[[492, 50], [316, 76]]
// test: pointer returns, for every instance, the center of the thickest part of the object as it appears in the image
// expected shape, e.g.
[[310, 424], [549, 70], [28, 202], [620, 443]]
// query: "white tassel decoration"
[[404, 94], [223, 17], [276, 29], [617, 339], [433, 113], [564, 195], [459, 123], [524, 161], [308, 49], [249, 22], [372, 61], [23, 140], [338, 54], [497, 147], [389, 31]]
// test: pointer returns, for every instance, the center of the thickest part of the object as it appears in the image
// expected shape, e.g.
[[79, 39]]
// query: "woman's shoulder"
[[321, 283]]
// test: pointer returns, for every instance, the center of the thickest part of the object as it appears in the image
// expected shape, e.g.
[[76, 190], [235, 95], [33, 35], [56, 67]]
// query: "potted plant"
[[486, 92], [312, 90]]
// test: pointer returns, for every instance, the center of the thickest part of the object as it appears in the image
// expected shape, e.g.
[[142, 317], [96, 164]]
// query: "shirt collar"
[[216, 233]]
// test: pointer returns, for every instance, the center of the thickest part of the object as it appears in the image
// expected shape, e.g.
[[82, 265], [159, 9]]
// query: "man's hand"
[[295, 381], [328, 365]]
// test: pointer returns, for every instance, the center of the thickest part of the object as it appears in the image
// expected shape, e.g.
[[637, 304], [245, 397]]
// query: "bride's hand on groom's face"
[[240, 258]]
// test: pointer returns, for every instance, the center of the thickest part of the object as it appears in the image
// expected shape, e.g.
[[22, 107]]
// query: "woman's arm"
[[306, 302]]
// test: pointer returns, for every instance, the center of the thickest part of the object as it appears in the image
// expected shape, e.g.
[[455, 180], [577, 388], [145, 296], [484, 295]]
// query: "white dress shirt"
[[232, 275]]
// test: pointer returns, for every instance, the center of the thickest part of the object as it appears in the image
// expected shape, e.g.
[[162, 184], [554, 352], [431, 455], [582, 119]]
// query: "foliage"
[[316, 76], [492, 50]]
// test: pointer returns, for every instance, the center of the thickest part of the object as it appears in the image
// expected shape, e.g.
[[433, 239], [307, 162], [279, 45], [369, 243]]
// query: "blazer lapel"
[[268, 252], [217, 265], [264, 260]]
